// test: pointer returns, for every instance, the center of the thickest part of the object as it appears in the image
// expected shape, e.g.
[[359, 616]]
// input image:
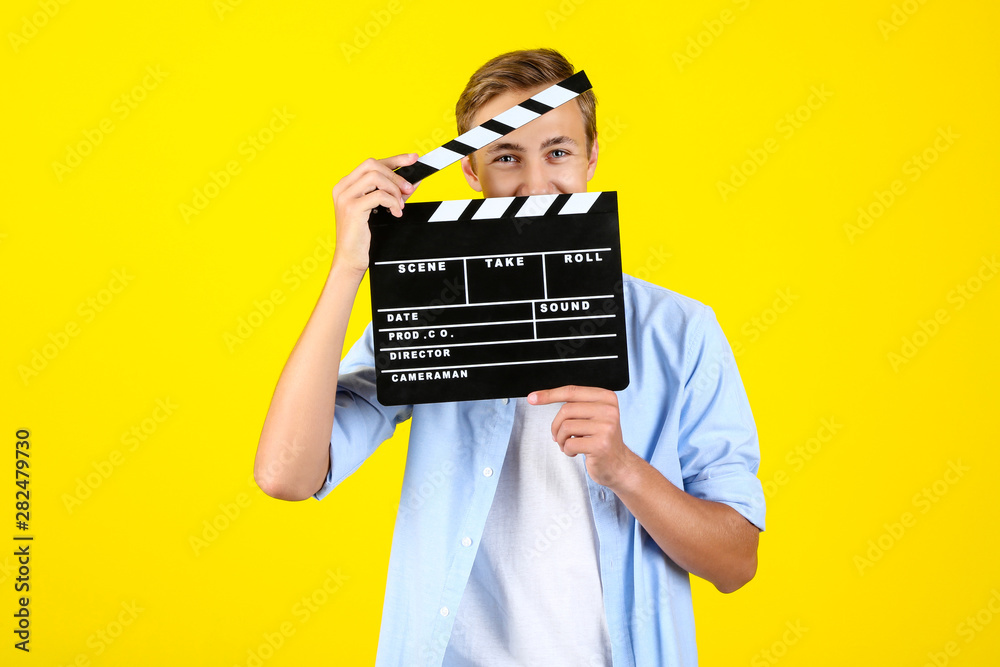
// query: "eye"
[[559, 152], [505, 158]]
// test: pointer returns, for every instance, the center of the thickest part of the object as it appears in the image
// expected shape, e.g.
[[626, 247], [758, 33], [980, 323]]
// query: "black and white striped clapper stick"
[[496, 127]]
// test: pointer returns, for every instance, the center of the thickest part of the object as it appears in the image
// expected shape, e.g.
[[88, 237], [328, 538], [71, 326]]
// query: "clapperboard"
[[497, 297]]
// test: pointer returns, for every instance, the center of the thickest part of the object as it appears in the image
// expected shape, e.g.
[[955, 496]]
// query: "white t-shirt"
[[534, 596]]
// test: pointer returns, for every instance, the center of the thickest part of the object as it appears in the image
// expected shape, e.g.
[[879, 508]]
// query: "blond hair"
[[519, 71]]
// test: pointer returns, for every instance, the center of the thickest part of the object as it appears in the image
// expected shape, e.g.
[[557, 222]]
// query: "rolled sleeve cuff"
[[738, 488]]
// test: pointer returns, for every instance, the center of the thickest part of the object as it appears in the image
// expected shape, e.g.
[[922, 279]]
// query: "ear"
[[470, 175], [592, 164]]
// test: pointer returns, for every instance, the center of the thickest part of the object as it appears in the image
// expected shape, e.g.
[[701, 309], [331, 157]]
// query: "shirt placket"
[[611, 534], [483, 472]]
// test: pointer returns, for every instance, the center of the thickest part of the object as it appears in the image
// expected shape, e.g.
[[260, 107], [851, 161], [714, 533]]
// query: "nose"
[[536, 180]]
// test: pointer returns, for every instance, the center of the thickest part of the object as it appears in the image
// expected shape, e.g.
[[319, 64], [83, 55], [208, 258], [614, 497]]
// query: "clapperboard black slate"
[[495, 298]]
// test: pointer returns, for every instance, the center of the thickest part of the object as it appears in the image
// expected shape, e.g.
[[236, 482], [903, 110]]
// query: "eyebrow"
[[518, 148], [555, 141], [505, 146]]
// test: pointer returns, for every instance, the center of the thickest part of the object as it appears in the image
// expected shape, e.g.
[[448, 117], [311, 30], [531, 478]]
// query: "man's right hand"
[[373, 183]]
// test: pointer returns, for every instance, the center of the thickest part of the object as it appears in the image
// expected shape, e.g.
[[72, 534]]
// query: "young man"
[[509, 548]]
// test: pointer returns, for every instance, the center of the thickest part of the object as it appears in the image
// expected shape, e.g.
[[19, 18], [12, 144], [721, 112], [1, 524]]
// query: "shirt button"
[[466, 541], [506, 401], [602, 494], [487, 472], [444, 611]]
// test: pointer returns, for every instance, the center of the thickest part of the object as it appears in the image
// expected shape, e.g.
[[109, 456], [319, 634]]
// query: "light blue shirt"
[[685, 411]]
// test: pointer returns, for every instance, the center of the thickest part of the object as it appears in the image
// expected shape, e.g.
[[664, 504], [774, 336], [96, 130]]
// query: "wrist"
[[628, 480], [346, 271]]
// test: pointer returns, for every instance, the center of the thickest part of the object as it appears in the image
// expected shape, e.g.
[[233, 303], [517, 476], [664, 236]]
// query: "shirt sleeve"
[[360, 422], [718, 448]]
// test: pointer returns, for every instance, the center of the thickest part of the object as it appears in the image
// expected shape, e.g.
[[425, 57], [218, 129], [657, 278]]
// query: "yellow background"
[[813, 308]]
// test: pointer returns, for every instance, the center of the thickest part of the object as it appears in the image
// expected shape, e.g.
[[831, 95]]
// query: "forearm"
[[293, 454], [708, 539]]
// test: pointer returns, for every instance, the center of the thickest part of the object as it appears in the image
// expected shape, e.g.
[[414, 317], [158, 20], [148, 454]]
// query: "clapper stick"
[[502, 124]]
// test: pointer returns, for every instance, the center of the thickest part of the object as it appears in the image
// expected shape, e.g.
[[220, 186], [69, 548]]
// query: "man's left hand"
[[589, 423]]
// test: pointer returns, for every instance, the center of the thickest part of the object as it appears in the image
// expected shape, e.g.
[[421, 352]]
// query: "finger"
[[377, 198], [571, 393], [372, 181], [401, 160], [597, 410], [359, 172], [574, 446], [414, 187], [383, 166], [397, 161], [576, 428]]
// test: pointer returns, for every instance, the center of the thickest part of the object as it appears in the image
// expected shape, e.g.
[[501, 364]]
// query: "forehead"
[[566, 119]]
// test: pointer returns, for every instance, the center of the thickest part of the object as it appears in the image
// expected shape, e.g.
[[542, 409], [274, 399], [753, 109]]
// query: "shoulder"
[[648, 305]]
